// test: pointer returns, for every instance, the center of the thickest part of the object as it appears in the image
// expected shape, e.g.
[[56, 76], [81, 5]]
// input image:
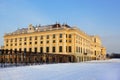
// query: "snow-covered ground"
[[93, 70]]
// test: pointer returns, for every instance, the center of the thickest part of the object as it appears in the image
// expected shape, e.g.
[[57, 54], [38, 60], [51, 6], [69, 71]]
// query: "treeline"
[[113, 55]]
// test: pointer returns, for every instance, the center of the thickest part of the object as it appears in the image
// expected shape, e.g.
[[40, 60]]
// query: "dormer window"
[[31, 28], [95, 40]]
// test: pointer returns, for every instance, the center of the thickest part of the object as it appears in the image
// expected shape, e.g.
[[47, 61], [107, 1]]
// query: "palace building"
[[56, 39]]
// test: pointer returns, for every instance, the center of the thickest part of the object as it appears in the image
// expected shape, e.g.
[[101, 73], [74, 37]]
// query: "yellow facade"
[[56, 39]]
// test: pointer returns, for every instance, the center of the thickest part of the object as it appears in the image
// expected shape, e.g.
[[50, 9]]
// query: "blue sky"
[[100, 17]]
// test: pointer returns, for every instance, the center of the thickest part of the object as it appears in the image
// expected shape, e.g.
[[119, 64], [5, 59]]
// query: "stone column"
[[57, 45], [64, 43], [50, 42], [44, 43]]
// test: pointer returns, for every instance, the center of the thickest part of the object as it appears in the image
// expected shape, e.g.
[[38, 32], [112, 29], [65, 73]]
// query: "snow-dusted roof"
[[39, 28]]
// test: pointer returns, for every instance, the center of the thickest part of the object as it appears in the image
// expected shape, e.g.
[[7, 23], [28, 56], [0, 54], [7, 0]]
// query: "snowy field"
[[93, 70]]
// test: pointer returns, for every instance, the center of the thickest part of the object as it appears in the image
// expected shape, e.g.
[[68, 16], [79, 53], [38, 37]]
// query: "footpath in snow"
[[92, 70]]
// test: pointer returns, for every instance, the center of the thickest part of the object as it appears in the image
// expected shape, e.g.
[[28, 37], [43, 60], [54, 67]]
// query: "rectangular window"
[[41, 49], [70, 49], [30, 49], [60, 48], [15, 50], [24, 43], [60, 41], [53, 41], [25, 39], [79, 49], [47, 36], [25, 50], [7, 41], [53, 35], [20, 44], [70, 35], [95, 52], [60, 35], [11, 44], [47, 42], [41, 42], [35, 37], [15, 39], [16, 44], [35, 42], [30, 43], [20, 39], [66, 35], [53, 49], [6, 44], [11, 40], [30, 38], [20, 50], [95, 40], [41, 37], [66, 48], [35, 50], [76, 49], [47, 49], [83, 50]]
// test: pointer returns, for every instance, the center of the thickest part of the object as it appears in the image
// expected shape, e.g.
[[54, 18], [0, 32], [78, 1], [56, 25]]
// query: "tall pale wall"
[[59, 41]]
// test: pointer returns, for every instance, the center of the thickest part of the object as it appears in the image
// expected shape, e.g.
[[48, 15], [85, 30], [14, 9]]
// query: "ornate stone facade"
[[56, 39]]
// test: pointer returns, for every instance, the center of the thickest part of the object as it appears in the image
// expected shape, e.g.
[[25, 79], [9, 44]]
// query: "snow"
[[92, 70]]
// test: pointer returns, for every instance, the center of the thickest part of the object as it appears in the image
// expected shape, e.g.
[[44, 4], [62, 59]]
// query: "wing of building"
[[56, 39]]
